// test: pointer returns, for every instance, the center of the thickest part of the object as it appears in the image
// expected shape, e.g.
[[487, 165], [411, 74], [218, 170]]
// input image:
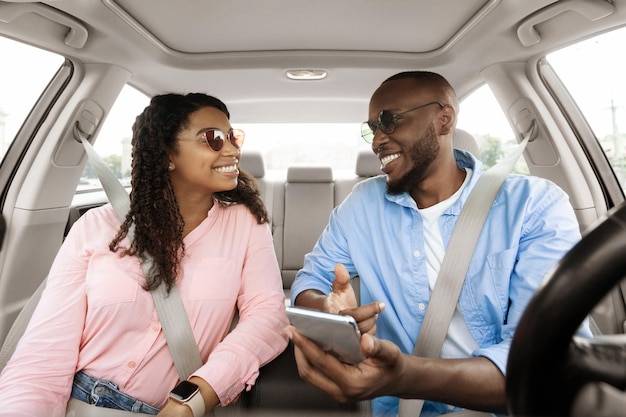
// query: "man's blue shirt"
[[380, 238]]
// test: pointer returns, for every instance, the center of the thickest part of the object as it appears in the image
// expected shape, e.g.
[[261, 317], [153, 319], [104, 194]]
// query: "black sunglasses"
[[215, 138], [387, 122]]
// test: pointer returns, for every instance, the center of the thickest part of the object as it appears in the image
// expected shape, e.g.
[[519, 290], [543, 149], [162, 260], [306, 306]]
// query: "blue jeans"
[[102, 393]]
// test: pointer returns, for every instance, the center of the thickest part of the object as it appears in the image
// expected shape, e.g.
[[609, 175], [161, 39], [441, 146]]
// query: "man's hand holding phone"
[[334, 333], [334, 321], [378, 374]]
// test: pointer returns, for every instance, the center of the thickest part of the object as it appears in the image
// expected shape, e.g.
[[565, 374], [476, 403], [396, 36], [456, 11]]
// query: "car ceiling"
[[239, 50]]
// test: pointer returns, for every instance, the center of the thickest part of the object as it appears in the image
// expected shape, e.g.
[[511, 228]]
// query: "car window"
[[334, 144], [482, 116], [593, 73], [113, 142], [24, 74]]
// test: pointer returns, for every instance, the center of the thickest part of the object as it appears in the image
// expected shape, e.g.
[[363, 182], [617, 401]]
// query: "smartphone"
[[337, 334]]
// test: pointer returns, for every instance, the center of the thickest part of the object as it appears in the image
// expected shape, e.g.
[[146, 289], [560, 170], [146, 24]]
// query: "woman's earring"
[[171, 167]]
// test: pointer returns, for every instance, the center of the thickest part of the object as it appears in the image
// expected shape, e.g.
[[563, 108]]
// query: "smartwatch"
[[188, 393]]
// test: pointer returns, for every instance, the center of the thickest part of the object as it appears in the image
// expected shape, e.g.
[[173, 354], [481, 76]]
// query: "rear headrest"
[[464, 140], [367, 164], [252, 162], [310, 174]]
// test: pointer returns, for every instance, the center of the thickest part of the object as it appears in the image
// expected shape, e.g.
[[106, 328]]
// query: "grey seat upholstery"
[[253, 163], [309, 199], [462, 139], [367, 165]]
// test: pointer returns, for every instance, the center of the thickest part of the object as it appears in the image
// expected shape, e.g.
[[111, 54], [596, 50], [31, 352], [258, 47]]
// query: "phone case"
[[334, 333]]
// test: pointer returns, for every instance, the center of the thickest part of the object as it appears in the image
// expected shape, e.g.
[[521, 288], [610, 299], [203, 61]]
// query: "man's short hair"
[[437, 81]]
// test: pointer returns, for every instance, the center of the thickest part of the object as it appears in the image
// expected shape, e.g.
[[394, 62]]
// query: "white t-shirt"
[[459, 342]]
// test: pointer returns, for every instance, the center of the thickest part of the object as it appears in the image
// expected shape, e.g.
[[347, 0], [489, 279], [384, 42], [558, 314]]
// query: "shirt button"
[[417, 254], [155, 328], [421, 306], [132, 364]]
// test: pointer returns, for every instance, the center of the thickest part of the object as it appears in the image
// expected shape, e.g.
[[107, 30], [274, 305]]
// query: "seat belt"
[[445, 294], [172, 315]]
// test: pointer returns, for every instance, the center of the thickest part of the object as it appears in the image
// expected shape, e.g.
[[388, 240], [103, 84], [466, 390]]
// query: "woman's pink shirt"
[[95, 316]]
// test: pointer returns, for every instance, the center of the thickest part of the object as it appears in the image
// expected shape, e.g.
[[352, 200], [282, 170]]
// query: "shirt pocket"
[[501, 266], [111, 281], [215, 279]]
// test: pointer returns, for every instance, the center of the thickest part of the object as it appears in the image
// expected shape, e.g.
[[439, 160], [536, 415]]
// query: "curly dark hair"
[[154, 213]]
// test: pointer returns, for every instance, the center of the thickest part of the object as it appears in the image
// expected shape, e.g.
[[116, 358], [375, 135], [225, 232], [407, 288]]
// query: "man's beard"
[[422, 153]]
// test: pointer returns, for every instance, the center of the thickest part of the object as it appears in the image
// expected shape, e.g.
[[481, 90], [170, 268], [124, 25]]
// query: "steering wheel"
[[551, 372], [3, 228]]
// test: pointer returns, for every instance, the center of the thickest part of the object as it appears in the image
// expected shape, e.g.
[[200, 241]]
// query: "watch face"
[[184, 390]]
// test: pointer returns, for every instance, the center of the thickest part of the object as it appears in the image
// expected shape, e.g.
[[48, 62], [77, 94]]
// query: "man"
[[393, 230]]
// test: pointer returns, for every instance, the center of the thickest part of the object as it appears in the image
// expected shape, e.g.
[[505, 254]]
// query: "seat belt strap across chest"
[[170, 309], [459, 252]]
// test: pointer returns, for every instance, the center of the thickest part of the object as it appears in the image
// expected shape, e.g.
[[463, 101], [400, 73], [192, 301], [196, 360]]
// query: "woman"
[[96, 335]]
